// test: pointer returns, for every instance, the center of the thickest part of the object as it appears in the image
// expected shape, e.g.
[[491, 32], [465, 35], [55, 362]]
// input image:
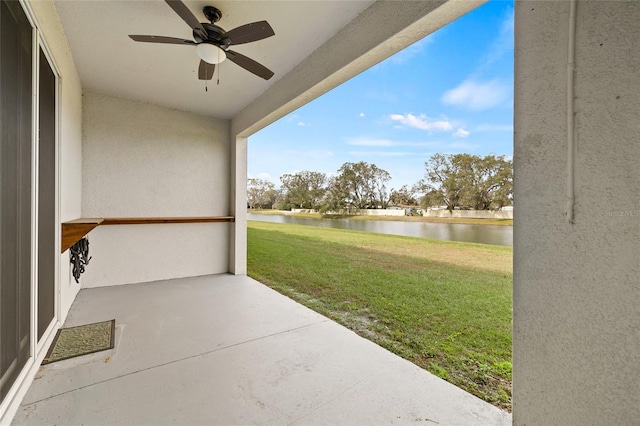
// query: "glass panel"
[[15, 191], [46, 195]]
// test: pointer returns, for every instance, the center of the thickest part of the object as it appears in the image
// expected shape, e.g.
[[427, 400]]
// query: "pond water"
[[483, 234]]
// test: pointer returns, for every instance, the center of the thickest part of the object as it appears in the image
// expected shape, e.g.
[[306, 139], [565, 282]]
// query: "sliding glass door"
[[28, 199], [46, 194], [16, 118]]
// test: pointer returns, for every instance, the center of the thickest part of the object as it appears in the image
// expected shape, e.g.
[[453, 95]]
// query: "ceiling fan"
[[212, 42]]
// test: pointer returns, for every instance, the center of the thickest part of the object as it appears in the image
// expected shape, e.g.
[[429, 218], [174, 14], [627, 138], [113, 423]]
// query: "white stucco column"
[[576, 281], [238, 238]]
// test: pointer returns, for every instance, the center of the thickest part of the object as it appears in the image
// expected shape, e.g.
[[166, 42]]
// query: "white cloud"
[[506, 29], [494, 128], [462, 146], [263, 176], [303, 124], [375, 95], [369, 142], [477, 96], [422, 122], [461, 133], [313, 154], [503, 44], [381, 153], [406, 54], [477, 92], [364, 141], [362, 114]]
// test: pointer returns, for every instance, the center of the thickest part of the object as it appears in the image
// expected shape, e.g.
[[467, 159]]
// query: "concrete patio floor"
[[226, 349]]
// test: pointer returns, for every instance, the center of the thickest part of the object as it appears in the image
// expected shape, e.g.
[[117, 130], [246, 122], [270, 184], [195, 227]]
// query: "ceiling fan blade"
[[205, 70], [250, 32], [249, 65], [187, 16], [161, 39]]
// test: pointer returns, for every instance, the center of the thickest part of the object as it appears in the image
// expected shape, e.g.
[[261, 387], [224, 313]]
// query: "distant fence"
[[380, 212], [470, 214], [362, 212], [467, 214]]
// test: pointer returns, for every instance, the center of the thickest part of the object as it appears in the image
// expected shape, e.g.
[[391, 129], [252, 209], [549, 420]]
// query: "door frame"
[[40, 44], [38, 350]]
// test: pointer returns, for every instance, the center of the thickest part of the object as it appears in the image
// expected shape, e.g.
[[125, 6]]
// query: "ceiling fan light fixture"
[[212, 42], [210, 53]]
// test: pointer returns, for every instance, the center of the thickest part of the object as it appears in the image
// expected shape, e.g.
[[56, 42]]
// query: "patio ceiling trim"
[[383, 29]]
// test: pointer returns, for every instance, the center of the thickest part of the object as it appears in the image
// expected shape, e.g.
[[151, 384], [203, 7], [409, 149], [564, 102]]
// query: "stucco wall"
[[142, 160], [70, 135], [576, 292]]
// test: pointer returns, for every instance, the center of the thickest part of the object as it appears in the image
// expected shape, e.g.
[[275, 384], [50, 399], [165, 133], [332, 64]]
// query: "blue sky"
[[451, 92]]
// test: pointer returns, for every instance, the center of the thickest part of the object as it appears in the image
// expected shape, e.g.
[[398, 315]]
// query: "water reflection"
[[483, 234]]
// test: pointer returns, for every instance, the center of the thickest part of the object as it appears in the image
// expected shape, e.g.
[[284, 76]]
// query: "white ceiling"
[[109, 62]]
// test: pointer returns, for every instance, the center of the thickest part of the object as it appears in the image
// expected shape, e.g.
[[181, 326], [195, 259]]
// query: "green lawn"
[[445, 306]]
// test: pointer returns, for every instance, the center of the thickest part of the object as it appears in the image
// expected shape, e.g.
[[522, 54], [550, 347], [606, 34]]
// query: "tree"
[[380, 178], [493, 183], [260, 193], [467, 181], [432, 198], [443, 182], [404, 196], [337, 196], [279, 201], [358, 186], [304, 189]]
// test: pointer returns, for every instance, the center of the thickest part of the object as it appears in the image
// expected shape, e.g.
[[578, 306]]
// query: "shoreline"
[[467, 221]]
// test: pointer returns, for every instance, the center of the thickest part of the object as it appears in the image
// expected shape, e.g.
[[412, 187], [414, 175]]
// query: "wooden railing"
[[74, 230]]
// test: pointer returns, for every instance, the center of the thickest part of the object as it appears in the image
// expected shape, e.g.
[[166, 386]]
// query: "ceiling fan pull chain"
[[218, 81], [206, 84]]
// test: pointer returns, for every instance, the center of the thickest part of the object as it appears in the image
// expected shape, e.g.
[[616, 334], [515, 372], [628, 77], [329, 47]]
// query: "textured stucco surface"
[[70, 134], [238, 237], [577, 286], [142, 160]]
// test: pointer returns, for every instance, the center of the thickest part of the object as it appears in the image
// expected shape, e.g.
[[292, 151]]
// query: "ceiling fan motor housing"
[[215, 35], [212, 14]]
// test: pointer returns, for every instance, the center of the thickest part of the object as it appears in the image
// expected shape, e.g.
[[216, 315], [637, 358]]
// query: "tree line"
[[452, 181]]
